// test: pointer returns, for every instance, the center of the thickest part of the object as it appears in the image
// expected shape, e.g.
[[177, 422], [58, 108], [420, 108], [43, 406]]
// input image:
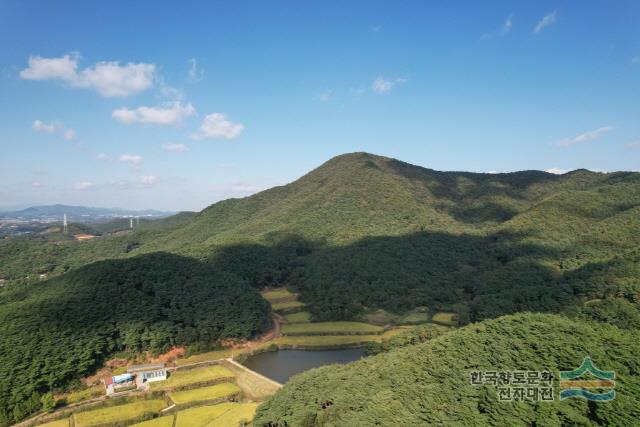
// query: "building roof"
[[148, 367], [108, 381]]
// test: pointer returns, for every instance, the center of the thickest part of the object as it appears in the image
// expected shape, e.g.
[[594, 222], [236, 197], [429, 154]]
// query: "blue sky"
[[177, 105]]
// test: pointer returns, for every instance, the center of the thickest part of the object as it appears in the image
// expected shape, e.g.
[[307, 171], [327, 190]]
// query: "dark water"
[[283, 364]]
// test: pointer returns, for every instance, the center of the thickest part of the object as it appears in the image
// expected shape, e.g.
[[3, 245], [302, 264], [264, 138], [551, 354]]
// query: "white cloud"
[[216, 125], [84, 185], [104, 157], [376, 29], [503, 31], [546, 20], [36, 184], [148, 180], [635, 60], [63, 68], [584, 137], [634, 144], [167, 114], [69, 134], [110, 79], [325, 96], [493, 172], [133, 160], [195, 73], [40, 126], [178, 148], [557, 171], [383, 86]]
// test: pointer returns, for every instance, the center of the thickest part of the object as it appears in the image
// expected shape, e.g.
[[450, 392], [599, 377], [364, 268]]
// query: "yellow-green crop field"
[[444, 318], [415, 317], [277, 294], [58, 423], [116, 414], [300, 317], [204, 393], [202, 415], [243, 412], [325, 340], [187, 377], [331, 328], [288, 305], [157, 422], [210, 355]]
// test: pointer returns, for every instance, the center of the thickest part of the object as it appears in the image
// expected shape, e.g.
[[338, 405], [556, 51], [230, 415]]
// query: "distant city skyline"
[[174, 106]]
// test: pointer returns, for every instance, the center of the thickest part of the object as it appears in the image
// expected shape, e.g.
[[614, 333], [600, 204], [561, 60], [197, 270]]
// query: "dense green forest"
[[57, 330], [360, 233], [429, 383]]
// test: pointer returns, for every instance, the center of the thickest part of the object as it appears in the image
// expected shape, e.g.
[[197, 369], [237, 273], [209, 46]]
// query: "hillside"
[[57, 330], [429, 383], [386, 234]]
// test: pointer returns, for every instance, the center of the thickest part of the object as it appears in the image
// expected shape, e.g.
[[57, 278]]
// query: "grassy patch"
[[444, 318], [118, 414], [87, 393], [157, 422], [202, 357], [287, 306], [378, 317], [300, 317], [205, 393], [277, 294], [331, 328], [201, 416], [234, 417], [57, 423], [419, 315], [325, 340], [186, 377]]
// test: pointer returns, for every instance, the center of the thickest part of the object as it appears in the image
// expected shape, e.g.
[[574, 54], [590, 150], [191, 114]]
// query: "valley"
[[364, 252]]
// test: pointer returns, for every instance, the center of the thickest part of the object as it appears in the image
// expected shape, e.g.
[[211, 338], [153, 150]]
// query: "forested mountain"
[[430, 383], [359, 233], [57, 330]]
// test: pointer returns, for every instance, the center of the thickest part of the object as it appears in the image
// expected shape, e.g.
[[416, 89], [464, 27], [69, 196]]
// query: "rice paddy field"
[[58, 423], [287, 306], [118, 414], [300, 317], [188, 377], [324, 341], [278, 294], [157, 422], [222, 415], [204, 394], [445, 318], [331, 328]]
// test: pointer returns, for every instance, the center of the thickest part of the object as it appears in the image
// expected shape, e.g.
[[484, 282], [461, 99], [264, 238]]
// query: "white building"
[[148, 373]]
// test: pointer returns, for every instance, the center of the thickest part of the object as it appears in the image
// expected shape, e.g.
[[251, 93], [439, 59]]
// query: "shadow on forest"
[[477, 276]]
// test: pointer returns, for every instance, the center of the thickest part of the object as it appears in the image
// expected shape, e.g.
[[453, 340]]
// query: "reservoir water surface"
[[283, 364]]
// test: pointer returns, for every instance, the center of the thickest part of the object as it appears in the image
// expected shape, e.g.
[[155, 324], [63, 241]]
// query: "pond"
[[283, 364]]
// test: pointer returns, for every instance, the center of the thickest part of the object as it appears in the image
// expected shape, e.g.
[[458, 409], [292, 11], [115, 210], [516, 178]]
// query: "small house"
[[148, 373]]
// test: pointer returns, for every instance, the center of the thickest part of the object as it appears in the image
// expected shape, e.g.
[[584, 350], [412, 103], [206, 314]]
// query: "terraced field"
[[446, 319], [190, 377], [204, 394], [118, 414], [331, 328]]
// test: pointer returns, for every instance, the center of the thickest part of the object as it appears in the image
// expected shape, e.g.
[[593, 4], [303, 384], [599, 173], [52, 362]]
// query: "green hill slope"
[[60, 329], [429, 383]]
